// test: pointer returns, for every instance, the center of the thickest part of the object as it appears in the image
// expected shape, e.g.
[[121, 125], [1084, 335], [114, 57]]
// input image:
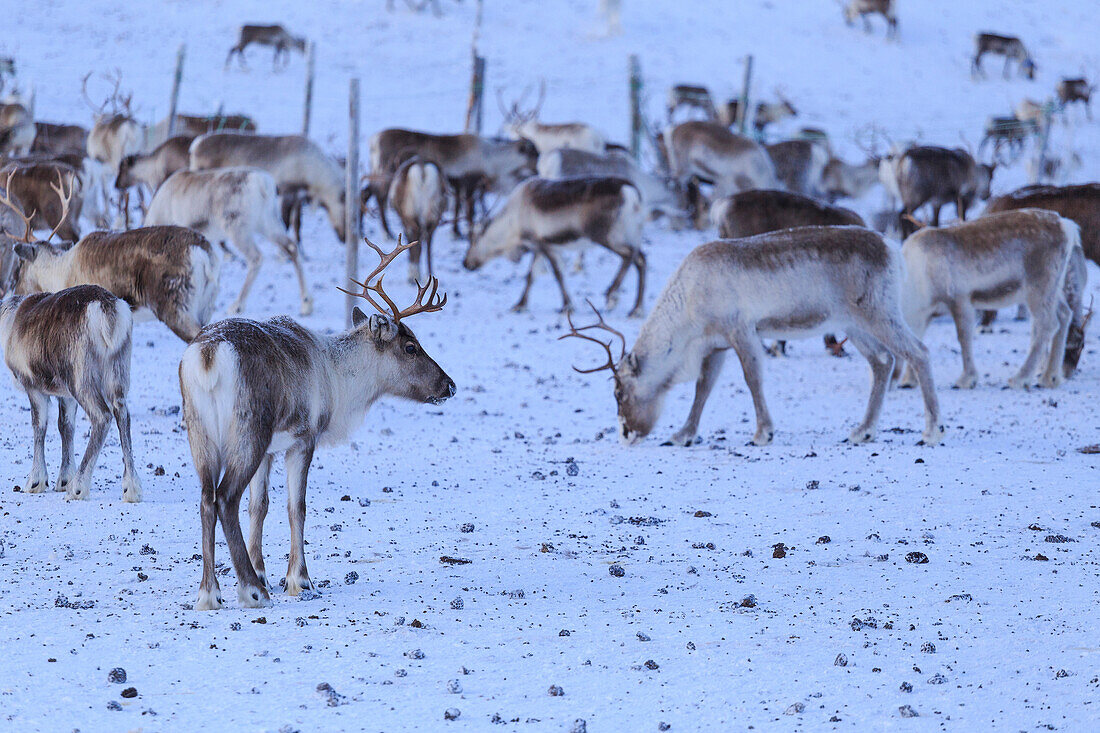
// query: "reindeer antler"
[[28, 236], [59, 189], [575, 332], [420, 305], [1088, 315]]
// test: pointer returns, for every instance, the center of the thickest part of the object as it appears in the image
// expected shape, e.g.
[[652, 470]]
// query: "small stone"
[[642, 636], [779, 550], [928, 647], [906, 687], [664, 726], [812, 486], [117, 676], [457, 604], [907, 711], [579, 726], [917, 558], [351, 577], [400, 673], [690, 646], [235, 626], [158, 471], [414, 654], [1061, 674], [841, 660], [571, 469], [748, 601], [454, 687], [555, 691], [451, 714], [702, 514], [1058, 538], [823, 540], [1040, 557], [300, 622], [147, 550], [466, 528], [113, 705], [563, 632], [617, 571], [795, 708], [937, 679], [129, 692], [364, 502], [416, 624], [650, 664]]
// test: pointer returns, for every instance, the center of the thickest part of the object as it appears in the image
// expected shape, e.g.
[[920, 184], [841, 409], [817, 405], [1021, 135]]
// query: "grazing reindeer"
[[768, 113], [693, 97], [862, 8], [234, 204], [845, 180], [194, 125], [73, 345], [1012, 132], [936, 176], [800, 165], [37, 188], [542, 214], [419, 194], [524, 124], [992, 262], [1076, 90], [255, 388], [709, 152], [275, 36], [168, 271], [469, 162], [1010, 47], [792, 283], [153, 169], [294, 161], [658, 195], [54, 139]]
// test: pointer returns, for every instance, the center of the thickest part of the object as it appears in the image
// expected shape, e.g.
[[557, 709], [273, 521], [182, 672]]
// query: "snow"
[[526, 452]]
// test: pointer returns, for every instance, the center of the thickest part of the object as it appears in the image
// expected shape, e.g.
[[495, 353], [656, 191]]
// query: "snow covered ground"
[[521, 473]]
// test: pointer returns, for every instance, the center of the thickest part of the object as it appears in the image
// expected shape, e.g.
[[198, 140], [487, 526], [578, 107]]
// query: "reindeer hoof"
[[208, 600], [762, 439], [932, 437], [294, 586], [30, 486], [680, 440], [860, 436], [307, 307], [966, 381], [1019, 383], [77, 492], [1051, 381], [519, 308], [252, 597]]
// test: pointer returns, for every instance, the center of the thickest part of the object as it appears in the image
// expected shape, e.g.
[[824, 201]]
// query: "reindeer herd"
[[789, 263]]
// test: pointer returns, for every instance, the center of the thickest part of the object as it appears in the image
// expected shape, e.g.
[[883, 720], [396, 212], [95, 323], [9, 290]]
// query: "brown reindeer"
[[936, 176], [153, 168], [1076, 90], [1010, 47], [274, 36], [37, 187], [252, 389], [862, 8], [53, 138]]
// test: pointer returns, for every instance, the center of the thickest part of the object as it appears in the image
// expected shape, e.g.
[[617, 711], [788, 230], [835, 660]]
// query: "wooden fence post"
[[351, 198], [477, 94], [636, 121], [172, 104], [310, 55], [743, 111]]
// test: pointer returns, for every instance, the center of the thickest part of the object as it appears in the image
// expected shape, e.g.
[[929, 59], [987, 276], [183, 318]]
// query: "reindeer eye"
[[410, 348]]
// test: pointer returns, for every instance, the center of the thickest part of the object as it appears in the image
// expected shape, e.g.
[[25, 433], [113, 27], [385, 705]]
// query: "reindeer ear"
[[25, 251], [383, 328], [631, 362], [357, 316]]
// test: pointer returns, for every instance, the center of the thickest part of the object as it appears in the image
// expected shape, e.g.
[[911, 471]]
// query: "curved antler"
[[28, 236], [59, 189], [575, 332], [419, 305]]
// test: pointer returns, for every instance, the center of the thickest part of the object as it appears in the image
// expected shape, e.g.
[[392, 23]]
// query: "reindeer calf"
[[73, 345], [993, 262]]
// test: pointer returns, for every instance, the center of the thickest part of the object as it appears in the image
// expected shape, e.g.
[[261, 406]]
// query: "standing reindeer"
[[862, 8], [524, 124], [419, 194], [692, 96], [1010, 47], [73, 345], [542, 215], [234, 204], [936, 176], [658, 195], [255, 388], [153, 169], [845, 180], [788, 284], [993, 262], [293, 160], [37, 187], [1076, 90], [800, 165], [53, 138], [274, 36]]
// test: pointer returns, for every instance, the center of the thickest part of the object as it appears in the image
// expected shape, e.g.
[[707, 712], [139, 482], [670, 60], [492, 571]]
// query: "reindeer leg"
[[747, 345], [246, 245], [708, 376], [99, 415], [428, 248], [66, 425], [250, 591], [521, 304], [257, 512], [895, 335], [210, 595], [291, 250], [297, 470], [412, 234], [555, 267], [131, 485], [962, 312], [458, 213], [1044, 326], [640, 265], [40, 414], [1053, 376], [882, 365]]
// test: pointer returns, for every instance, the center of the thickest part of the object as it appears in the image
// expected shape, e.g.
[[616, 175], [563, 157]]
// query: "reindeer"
[[541, 215], [709, 152], [53, 139], [1012, 132], [275, 36], [792, 283], [845, 180], [1010, 47], [469, 162], [658, 195], [153, 169], [194, 125], [114, 135], [936, 176], [254, 388], [293, 160], [524, 124], [862, 8], [37, 187], [768, 113], [800, 165], [17, 129], [418, 7], [419, 194], [992, 262], [73, 345], [694, 97], [234, 204], [168, 271], [1076, 90]]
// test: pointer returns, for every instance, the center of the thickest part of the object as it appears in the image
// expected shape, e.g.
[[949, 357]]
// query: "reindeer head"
[[406, 370], [516, 115], [637, 412], [493, 238], [125, 178], [26, 271]]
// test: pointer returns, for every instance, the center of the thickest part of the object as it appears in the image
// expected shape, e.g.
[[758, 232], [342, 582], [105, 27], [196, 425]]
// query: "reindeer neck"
[[353, 362]]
